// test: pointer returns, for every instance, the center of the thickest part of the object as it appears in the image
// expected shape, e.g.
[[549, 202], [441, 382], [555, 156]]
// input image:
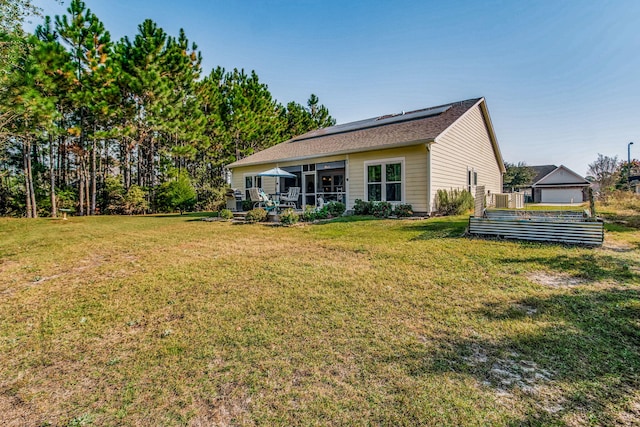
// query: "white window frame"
[[383, 181], [254, 180], [472, 179]]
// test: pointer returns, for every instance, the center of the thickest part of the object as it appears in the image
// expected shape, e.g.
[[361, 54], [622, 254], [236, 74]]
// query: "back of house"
[[400, 158]]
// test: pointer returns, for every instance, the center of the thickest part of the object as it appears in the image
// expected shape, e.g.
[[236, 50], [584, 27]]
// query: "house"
[[398, 158], [557, 184]]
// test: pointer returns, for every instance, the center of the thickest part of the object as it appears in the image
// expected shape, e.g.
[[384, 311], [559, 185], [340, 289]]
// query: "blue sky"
[[561, 78]]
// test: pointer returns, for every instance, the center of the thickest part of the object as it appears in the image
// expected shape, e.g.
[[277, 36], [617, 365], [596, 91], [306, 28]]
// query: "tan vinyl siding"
[[465, 145], [415, 174]]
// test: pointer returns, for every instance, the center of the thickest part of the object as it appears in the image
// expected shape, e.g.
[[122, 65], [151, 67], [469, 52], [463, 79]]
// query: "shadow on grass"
[[185, 215], [582, 362], [621, 222], [345, 219], [590, 266], [437, 228]]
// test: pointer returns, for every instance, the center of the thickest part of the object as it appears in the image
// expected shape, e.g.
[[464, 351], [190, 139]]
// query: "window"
[[251, 181], [384, 181], [472, 179]]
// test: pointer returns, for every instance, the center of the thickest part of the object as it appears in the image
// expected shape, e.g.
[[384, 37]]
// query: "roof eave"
[[335, 153], [574, 184]]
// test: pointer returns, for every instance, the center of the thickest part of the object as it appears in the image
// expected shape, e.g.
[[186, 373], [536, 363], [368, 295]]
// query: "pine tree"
[[91, 51]]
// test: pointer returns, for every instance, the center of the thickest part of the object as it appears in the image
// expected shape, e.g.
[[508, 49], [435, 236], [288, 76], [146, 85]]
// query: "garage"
[[561, 195]]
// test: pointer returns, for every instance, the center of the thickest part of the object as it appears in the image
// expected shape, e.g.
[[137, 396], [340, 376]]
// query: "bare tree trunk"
[[92, 210], [86, 188], [52, 175], [27, 187], [127, 165], [139, 165], [80, 188], [104, 161], [34, 208]]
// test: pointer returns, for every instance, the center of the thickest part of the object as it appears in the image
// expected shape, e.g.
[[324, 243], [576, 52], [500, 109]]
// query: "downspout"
[[429, 198], [346, 183]]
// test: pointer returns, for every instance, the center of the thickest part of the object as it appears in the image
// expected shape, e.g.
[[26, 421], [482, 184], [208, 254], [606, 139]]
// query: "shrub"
[[256, 215], [288, 217], [403, 211], [453, 202], [225, 214], [309, 214], [336, 208], [135, 201], [381, 209], [177, 194], [361, 207], [210, 197], [322, 213], [623, 200], [247, 205]]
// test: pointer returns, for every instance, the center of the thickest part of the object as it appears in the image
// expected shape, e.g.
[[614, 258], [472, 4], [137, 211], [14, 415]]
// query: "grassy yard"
[[169, 320]]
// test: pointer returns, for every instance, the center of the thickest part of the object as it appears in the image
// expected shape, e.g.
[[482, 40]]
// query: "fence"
[[549, 226]]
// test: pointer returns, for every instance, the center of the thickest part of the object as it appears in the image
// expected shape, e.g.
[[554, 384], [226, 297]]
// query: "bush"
[[256, 215], [288, 217], [623, 200], [336, 208], [403, 211], [453, 202], [381, 209], [210, 197], [225, 214], [247, 205], [322, 213], [361, 207], [177, 193], [113, 202], [135, 201], [309, 214]]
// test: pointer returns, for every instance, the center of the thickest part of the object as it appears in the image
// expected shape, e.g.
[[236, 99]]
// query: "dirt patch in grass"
[[556, 280]]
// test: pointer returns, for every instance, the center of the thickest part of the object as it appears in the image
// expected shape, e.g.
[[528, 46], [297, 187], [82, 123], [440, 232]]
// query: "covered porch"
[[318, 182]]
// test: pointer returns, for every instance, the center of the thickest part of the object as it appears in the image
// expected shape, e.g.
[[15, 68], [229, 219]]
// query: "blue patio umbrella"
[[277, 173]]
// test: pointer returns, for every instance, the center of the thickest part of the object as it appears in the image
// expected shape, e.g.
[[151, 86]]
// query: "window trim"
[[472, 179], [254, 180], [383, 178]]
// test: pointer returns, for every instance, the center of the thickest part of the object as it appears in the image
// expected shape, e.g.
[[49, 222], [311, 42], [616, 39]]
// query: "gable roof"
[[541, 172], [394, 130], [550, 180]]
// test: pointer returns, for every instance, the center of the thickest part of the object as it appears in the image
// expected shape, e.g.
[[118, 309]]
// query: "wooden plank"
[[479, 201]]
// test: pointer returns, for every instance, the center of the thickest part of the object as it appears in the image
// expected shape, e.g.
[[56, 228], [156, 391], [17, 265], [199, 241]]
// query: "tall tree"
[[70, 100], [91, 51], [299, 119], [147, 93], [55, 73], [25, 96], [605, 171]]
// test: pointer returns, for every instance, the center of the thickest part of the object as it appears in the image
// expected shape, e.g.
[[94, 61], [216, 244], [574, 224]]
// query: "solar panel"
[[374, 122]]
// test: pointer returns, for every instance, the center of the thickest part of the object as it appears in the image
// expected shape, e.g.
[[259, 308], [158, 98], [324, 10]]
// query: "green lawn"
[[169, 320]]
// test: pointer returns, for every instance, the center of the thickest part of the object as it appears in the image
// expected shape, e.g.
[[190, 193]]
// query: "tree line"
[[129, 126]]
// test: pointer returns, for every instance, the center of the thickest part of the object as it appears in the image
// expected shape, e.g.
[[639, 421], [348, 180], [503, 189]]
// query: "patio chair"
[[291, 198], [254, 195], [261, 200]]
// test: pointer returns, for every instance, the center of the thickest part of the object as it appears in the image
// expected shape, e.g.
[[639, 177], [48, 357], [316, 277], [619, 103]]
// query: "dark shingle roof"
[[380, 132], [542, 171]]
